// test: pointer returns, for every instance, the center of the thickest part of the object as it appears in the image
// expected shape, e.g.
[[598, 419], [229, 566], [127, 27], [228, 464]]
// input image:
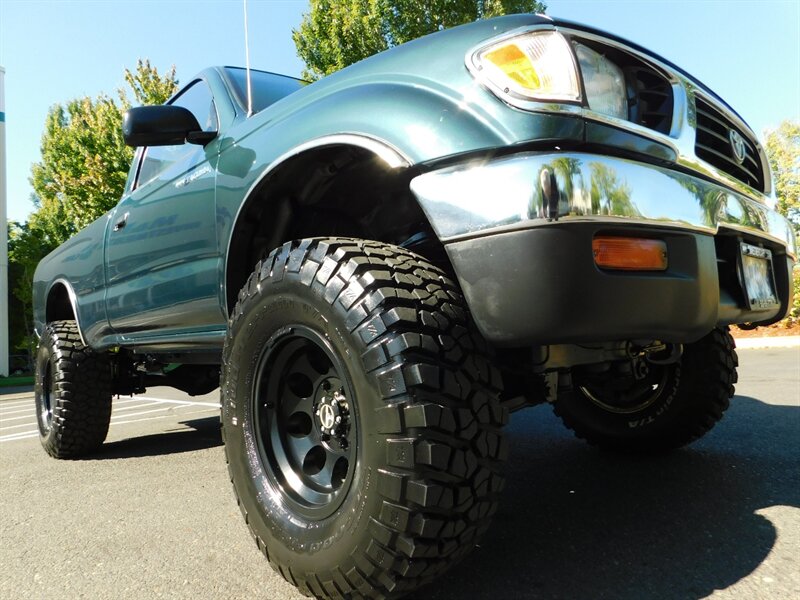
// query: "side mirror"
[[163, 125]]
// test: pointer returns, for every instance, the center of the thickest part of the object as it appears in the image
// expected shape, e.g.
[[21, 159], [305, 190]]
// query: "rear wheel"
[[361, 421], [667, 407], [72, 392]]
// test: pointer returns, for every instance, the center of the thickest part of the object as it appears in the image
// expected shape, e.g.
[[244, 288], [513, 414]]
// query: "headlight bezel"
[[551, 42], [538, 102], [535, 103]]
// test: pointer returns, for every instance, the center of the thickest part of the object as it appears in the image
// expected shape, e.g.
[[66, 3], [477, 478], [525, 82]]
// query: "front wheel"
[[361, 418], [669, 407]]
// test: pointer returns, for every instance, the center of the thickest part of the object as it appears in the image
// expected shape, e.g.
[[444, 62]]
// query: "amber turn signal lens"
[[629, 254]]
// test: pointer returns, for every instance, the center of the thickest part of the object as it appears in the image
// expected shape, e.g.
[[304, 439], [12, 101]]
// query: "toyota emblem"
[[737, 145]]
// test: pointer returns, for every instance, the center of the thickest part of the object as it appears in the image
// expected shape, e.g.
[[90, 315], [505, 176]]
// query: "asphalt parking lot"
[[152, 515]]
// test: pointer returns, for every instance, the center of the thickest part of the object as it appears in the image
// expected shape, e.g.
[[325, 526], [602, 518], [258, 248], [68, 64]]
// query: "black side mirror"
[[164, 125]]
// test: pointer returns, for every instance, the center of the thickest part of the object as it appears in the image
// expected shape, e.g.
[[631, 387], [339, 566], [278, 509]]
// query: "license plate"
[[757, 278]]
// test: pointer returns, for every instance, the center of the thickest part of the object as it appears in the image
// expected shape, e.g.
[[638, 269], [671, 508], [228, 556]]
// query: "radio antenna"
[[247, 65]]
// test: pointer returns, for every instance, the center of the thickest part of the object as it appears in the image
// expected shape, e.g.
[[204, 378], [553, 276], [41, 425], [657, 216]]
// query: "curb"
[[786, 341]]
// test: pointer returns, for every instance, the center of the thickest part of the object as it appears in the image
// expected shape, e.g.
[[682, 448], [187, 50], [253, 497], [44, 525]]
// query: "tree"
[[338, 33], [26, 247], [148, 86], [783, 151], [85, 161]]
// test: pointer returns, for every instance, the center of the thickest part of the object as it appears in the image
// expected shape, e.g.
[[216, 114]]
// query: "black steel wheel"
[[667, 407], [72, 392], [304, 420], [625, 394], [361, 418]]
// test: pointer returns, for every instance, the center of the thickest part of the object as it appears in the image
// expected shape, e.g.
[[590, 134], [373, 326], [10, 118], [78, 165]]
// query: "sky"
[[746, 51]]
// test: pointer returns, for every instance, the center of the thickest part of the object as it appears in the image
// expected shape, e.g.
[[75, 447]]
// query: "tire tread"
[[82, 402]]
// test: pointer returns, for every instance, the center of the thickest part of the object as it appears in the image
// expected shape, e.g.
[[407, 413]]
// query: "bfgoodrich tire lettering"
[[72, 392], [691, 397], [421, 393]]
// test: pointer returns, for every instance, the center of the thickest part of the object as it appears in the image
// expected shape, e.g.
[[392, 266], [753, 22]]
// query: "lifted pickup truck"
[[378, 267]]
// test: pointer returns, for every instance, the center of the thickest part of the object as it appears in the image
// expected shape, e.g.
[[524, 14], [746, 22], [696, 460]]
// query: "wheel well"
[[337, 190], [59, 306]]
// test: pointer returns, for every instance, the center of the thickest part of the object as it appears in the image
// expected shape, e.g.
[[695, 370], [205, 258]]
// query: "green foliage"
[[26, 246], [84, 159], [148, 86], [84, 164], [338, 33], [794, 312], [783, 150], [81, 176]]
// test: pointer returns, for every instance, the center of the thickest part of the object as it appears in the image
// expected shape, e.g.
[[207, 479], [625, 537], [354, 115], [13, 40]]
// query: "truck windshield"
[[268, 88]]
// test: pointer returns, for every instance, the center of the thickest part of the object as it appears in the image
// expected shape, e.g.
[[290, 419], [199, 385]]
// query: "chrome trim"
[[682, 135], [680, 110], [694, 91], [640, 130], [73, 300], [390, 155], [485, 197]]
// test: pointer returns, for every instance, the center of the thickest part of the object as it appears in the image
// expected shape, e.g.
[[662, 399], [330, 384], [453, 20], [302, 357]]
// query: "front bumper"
[[519, 232]]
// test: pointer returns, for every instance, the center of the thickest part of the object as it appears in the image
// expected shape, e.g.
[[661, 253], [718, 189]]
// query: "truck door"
[[161, 245]]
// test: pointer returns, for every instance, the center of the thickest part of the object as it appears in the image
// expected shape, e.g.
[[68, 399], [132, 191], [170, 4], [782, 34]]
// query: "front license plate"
[[757, 278]]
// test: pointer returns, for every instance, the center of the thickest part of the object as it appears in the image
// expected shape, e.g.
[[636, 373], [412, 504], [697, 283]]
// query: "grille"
[[649, 98], [714, 146]]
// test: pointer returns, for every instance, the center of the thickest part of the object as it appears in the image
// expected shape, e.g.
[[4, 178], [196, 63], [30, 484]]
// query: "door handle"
[[122, 222]]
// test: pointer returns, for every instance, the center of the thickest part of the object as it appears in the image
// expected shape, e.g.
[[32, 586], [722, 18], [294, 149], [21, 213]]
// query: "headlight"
[[604, 83], [533, 66]]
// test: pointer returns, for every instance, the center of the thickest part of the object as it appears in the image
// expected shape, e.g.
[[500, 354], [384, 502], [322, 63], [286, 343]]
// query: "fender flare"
[[391, 156], [73, 300]]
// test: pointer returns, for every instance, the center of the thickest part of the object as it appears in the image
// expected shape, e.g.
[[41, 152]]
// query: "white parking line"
[[18, 436], [30, 412], [136, 414], [28, 416], [133, 406], [176, 408], [17, 414], [124, 400], [16, 426], [183, 414], [17, 411], [192, 403], [16, 403]]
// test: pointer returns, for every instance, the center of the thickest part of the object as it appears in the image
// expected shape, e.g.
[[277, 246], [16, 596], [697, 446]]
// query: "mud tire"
[[72, 392], [693, 399], [426, 475]]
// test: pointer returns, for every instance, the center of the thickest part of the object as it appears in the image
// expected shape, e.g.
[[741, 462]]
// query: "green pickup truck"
[[377, 268]]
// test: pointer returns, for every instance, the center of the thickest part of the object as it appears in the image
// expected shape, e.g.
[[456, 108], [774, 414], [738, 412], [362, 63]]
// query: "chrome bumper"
[[535, 190]]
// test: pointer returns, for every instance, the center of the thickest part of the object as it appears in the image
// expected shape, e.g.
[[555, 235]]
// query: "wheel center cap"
[[327, 416], [332, 412]]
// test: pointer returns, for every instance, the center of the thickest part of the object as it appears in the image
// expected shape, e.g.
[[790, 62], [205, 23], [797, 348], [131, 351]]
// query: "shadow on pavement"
[[575, 522], [204, 434]]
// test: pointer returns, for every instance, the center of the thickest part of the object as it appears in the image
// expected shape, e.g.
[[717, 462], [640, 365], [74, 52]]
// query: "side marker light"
[[629, 254]]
